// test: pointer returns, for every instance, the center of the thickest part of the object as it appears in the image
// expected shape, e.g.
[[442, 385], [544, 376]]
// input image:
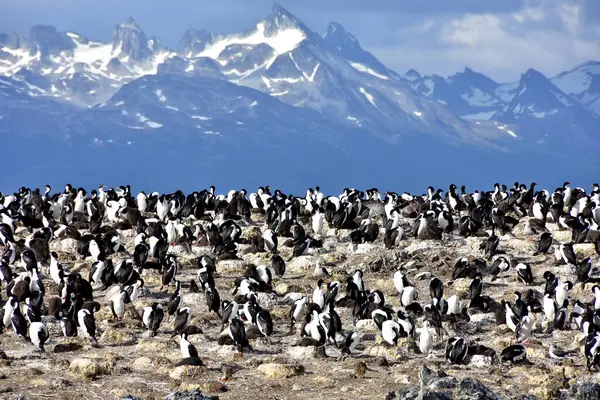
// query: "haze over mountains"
[[278, 104]]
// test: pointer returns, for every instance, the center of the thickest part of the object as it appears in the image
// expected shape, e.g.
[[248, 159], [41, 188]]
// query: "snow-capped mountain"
[[331, 74], [583, 83], [468, 94], [281, 56], [278, 91], [533, 97], [544, 114], [534, 108], [76, 69]]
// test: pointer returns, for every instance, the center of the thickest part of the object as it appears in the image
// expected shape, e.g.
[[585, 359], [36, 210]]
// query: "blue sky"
[[499, 38]]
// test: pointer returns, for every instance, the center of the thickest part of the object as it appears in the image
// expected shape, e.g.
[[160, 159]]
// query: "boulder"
[[67, 347], [390, 353], [280, 371], [90, 368], [66, 245], [301, 352], [142, 364], [413, 393], [209, 386], [300, 265], [367, 248], [231, 267], [194, 298], [153, 345], [267, 300], [585, 391], [290, 298], [366, 325], [189, 395], [474, 389], [187, 372], [583, 250], [286, 288], [251, 232], [435, 380], [117, 337]]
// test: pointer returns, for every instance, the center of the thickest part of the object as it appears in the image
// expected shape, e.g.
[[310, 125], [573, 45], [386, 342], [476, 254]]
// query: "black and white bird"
[[117, 304], [592, 351], [170, 271], [152, 317], [183, 316], [68, 325], [490, 246], [457, 350], [544, 243], [514, 354], [278, 265], [213, 299], [351, 341], [175, 301], [318, 296], [320, 271], [38, 334], [524, 273], [18, 322], [188, 350], [425, 340], [500, 265], [300, 248], [390, 332], [566, 254], [270, 240], [133, 291], [297, 311], [87, 323], [264, 322], [237, 333]]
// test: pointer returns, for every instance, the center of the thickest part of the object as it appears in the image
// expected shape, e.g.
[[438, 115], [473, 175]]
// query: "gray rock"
[[412, 393], [585, 391], [267, 300], [434, 380], [190, 395], [472, 389]]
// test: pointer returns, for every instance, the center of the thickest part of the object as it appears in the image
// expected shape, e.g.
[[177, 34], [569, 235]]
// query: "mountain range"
[[278, 104]]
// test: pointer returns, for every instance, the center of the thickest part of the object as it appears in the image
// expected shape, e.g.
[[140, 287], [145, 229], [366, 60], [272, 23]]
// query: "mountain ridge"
[[324, 83]]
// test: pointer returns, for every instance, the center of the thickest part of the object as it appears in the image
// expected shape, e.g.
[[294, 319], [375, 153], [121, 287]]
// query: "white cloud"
[[547, 35], [528, 13], [570, 14]]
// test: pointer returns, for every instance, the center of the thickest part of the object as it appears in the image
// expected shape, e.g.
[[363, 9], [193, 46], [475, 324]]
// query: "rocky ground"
[[129, 363]]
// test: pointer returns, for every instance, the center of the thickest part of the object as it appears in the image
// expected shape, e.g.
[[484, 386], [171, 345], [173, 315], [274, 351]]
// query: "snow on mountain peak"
[[340, 41], [280, 31], [281, 57], [582, 83], [578, 79]]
